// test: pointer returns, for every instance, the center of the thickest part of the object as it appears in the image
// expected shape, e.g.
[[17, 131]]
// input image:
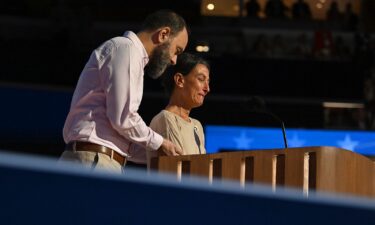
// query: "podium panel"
[[328, 169]]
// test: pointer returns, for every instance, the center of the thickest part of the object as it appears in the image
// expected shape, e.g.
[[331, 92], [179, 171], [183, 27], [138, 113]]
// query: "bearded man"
[[103, 129]]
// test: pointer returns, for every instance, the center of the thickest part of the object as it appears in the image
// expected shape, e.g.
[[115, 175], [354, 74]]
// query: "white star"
[[243, 142], [347, 143], [295, 141]]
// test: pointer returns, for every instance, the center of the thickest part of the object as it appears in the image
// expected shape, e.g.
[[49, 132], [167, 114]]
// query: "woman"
[[187, 84]]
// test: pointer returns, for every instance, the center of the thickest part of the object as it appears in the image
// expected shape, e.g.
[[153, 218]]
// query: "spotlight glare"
[[202, 48], [210, 6]]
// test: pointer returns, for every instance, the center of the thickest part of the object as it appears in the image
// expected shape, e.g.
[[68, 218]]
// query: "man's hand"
[[169, 148]]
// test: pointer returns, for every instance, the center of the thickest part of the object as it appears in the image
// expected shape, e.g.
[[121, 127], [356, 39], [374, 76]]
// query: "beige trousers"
[[93, 160]]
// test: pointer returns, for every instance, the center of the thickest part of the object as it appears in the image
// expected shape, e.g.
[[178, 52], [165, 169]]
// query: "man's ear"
[[179, 80], [164, 34]]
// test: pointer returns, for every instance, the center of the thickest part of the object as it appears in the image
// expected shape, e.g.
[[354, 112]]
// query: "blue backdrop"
[[251, 138]]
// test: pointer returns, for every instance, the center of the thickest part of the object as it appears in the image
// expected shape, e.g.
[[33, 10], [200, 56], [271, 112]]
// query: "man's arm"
[[122, 77]]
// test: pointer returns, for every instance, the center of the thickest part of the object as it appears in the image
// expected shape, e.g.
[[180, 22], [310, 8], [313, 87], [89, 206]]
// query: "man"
[[103, 128]]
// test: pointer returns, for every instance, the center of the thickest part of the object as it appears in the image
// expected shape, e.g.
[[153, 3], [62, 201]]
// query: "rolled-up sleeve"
[[122, 78]]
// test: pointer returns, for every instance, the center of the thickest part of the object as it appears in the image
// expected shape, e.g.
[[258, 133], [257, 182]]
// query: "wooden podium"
[[327, 169]]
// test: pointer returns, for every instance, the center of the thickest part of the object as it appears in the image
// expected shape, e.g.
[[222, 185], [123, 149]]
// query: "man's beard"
[[159, 61]]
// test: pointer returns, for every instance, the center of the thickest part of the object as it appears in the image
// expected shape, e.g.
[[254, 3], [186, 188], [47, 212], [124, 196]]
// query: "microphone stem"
[[284, 135], [260, 108], [282, 126]]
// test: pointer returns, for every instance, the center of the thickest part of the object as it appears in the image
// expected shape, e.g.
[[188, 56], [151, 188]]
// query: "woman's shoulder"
[[162, 117], [196, 122]]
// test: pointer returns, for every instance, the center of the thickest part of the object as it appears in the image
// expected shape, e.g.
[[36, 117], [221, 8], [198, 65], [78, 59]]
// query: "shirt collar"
[[138, 44]]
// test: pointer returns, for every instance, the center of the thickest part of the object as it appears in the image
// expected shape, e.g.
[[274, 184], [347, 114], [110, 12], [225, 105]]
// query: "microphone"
[[259, 106]]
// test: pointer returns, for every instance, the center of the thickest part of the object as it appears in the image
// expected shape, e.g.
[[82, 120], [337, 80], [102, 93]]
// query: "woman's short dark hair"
[[185, 63], [164, 18]]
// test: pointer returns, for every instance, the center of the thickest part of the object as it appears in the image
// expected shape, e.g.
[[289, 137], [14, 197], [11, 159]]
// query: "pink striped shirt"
[[107, 97]]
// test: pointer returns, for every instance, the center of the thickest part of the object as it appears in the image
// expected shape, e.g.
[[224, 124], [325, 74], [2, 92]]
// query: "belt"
[[91, 147]]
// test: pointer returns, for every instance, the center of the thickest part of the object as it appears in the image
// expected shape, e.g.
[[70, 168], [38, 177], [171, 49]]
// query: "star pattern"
[[348, 143], [295, 141], [243, 142]]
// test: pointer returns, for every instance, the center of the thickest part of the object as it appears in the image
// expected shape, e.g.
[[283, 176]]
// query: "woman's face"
[[196, 86]]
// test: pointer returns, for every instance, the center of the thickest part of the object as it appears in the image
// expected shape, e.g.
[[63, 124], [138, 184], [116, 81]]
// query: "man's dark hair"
[[164, 18], [185, 63]]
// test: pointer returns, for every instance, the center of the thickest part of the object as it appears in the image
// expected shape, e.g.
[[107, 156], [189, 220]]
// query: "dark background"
[[46, 43]]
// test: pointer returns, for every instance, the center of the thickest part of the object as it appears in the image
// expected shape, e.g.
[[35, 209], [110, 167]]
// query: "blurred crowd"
[[300, 11], [319, 44]]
